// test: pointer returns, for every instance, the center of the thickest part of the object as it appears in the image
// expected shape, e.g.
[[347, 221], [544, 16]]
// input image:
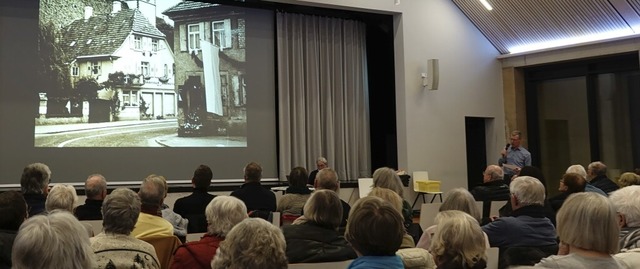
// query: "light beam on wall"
[[571, 41]]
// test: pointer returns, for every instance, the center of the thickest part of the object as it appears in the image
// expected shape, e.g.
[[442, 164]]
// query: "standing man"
[[321, 163], [95, 188], [514, 157]]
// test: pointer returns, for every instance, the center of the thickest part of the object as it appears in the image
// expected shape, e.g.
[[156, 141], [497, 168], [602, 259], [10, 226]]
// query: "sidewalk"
[[53, 129]]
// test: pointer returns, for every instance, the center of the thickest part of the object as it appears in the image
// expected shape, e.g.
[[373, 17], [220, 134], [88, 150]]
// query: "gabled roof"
[[189, 5], [103, 34]]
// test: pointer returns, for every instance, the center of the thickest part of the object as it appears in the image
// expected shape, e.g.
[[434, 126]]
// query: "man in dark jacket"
[[528, 225], [95, 188], [491, 189], [253, 194], [597, 176], [192, 207]]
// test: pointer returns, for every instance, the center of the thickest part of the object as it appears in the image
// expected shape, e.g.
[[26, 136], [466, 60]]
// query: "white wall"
[[431, 132]]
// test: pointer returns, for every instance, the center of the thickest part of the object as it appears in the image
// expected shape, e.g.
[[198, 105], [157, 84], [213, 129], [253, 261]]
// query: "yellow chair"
[[165, 247], [422, 185]]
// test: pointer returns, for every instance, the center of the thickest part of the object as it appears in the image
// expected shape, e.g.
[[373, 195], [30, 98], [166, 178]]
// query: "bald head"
[[95, 187], [493, 173], [327, 179]]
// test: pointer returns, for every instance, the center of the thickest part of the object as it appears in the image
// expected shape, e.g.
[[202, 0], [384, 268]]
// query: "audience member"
[[628, 179], [514, 157], [193, 206], [579, 169], [321, 163], [178, 222], [54, 240], [64, 197], [459, 242], [35, 186], [222, 213], [569, 184], [314, 237], [375, 230], [536, 173], [13, 210], [327, 179], [492, 189], [252, 243], [588, 234], [252, 193], [95, 188], [528, 225], [457, 199], [387, 178], [150, 222], [121, 210], [627, 204], [395, 200], [296, 194], [597, 176]]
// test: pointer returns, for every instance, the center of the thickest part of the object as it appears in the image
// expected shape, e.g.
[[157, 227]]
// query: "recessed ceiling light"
[[486, 4]]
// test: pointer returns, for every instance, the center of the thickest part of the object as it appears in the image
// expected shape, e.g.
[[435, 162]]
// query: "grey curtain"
[[322, 94]]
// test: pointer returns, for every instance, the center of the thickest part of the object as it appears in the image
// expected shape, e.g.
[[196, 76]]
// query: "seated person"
[[252, 243], [314, 237], [375, 230], [321, 163], [528, 225], [491, 189], [327, 179], [178, 222], [53, 240], [150, 222], [95, 188], [458, 242], [395, 200], [121, 210], [13, 210], [252, 193], [223, 212], [597, 176], [628, 179], [34, 184], [627, 203], [387, 178], [64, 197], [193, 206], [569, 184], [296, 194], [457, 199], [588, 233]]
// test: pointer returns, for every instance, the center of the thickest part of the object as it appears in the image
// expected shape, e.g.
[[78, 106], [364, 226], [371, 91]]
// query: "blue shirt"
[[519, 157], [377, 262]]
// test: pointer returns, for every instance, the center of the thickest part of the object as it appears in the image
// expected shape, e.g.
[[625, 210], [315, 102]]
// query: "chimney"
[[117, 6], [88, 12]]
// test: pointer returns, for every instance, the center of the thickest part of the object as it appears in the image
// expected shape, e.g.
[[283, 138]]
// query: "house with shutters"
[[125, 49], [210, 68]]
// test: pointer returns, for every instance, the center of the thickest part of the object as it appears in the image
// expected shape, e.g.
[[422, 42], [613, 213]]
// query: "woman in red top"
[[223, 212]]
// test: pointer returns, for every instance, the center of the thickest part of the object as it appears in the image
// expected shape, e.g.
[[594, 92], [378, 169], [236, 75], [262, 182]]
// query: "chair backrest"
[[321, 265], [495, 207], [276, 219], [492, 258], [96, 225], [428, 213], [419, 176], [525, 255], [364, 186], [165, 247], [288, 219], [194, 236]]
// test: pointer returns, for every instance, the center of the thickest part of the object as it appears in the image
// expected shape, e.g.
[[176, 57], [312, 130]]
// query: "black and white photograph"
[[141, 73]]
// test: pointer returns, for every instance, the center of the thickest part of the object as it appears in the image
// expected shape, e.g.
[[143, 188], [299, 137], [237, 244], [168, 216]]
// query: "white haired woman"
[[252, 243], [588, 232], [64, 197], [223, 212], [458, 242], [53, 240]]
